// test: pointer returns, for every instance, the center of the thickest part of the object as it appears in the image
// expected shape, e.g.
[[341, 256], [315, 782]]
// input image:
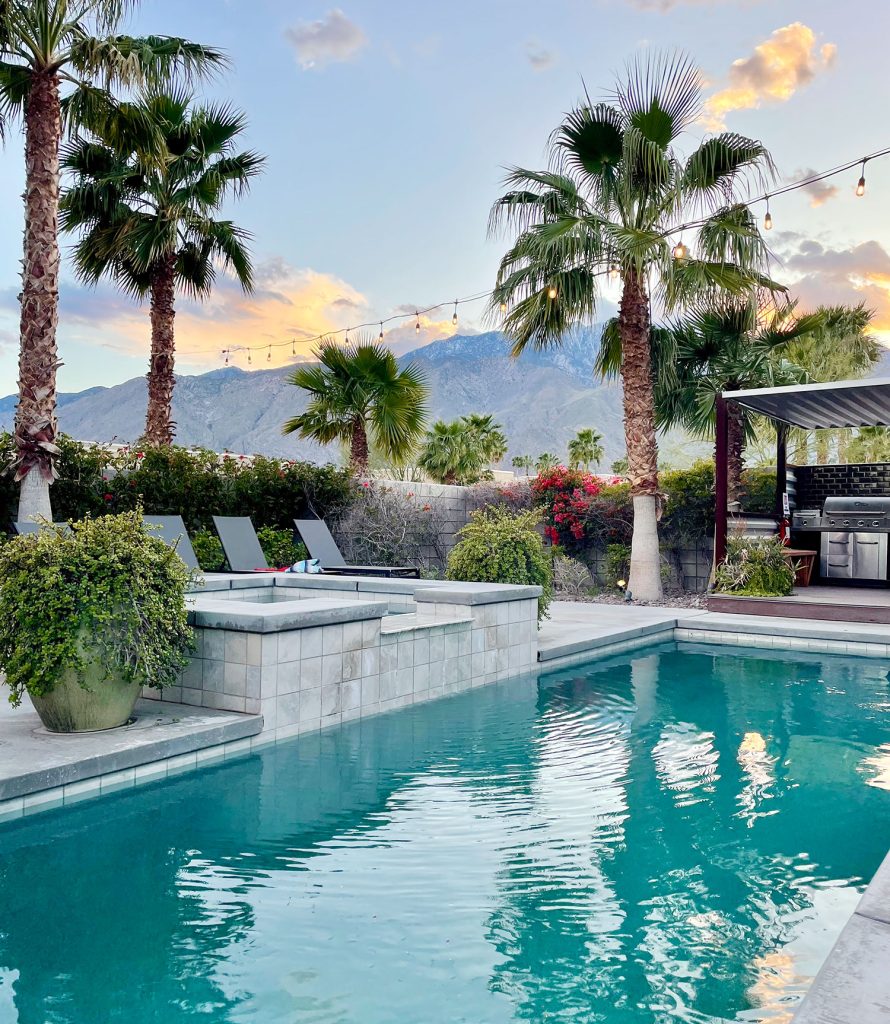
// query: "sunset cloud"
[[818, 191], [827, 276], [289, 305], [332, 39], [786, 62]]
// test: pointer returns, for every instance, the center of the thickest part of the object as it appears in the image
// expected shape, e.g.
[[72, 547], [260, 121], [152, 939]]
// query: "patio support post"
[[781, 467], [721, 516]]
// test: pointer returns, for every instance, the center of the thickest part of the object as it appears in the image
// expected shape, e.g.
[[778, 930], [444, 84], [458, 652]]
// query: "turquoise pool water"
[[675, 835]]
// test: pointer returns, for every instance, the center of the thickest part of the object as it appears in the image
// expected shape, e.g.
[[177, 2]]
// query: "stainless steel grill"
[[854, 535]]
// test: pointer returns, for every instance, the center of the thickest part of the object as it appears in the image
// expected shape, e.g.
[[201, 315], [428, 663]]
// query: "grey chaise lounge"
[[29, 526], [171, 530], [320, 544], [241, 544]]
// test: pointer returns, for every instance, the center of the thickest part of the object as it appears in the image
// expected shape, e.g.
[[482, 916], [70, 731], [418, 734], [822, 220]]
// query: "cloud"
[[332, 39], [826, 276], [818, 191], [288, 303], [540, 58], [787, 61]]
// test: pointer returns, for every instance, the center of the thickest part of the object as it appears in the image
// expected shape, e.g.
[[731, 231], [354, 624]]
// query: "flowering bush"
[[565, 495]]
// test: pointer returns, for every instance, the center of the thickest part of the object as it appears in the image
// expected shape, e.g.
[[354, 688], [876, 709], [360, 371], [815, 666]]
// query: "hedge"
[[195, 484]]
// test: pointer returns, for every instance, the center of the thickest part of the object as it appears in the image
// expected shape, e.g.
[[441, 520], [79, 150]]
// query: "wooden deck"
[[837, 604]]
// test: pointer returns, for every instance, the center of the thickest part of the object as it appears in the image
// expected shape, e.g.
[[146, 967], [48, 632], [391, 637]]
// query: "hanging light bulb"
[[380, 336], [293, 347], [248, 356], [613, 272], [551, 292], [768, 219], [346, 339], [679, 251], [454, 318], [503, 308], [417, 324], [860, 185], [226, 354], [269, 356]]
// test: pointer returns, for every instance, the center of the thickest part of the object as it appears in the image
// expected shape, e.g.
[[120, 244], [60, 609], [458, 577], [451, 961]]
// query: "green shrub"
[[498, 546], [108, 580], [755, 567], [759, 491], [209, 551], [617, 565], [280, 548], [688, 515]]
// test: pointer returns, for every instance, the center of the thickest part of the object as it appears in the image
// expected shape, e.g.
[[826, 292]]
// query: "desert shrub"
[[107, 585], [279, 547], [208, 550], [756, 567], [571, 578], [516, 496], [384, 526], [499, 546]]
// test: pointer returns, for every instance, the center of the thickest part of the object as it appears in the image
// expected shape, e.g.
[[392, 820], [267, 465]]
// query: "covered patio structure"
[[836, 405]]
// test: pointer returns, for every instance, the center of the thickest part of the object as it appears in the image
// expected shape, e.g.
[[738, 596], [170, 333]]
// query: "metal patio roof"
[[844, 403]]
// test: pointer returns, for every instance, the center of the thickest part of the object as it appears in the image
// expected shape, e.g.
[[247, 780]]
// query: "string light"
[[679, 252], [269, 356], [380, 336], [768, 219], [454, 318], [293, 346]]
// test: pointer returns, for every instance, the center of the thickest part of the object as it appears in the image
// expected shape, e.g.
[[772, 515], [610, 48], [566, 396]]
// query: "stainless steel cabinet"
[[853, 556]]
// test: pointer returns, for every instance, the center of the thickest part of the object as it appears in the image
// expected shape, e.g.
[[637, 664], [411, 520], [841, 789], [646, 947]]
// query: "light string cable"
[[680, 251]]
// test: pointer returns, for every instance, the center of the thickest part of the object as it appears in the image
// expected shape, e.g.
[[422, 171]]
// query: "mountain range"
[[540, 399]]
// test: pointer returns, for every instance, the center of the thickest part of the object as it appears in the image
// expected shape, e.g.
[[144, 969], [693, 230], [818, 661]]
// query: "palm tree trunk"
[[35, 418], [159, 425], [735, 446], [644, 582], [358, 449]]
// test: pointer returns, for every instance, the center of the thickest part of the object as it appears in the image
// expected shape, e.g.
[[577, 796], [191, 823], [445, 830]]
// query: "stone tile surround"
[[273, 647]]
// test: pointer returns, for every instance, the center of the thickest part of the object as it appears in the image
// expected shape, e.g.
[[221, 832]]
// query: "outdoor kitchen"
[[838, 515]]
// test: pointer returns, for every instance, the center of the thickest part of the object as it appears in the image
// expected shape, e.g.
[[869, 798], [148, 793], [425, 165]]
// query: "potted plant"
[[90, 616]]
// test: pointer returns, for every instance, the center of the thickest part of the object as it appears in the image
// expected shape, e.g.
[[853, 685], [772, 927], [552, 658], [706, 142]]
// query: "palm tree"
[[49, 48], [462, 451], [545, 462], [585, 447], [727, 345], [147, 222], [357, 391], [871, 444], [525, 462], [615, 195]]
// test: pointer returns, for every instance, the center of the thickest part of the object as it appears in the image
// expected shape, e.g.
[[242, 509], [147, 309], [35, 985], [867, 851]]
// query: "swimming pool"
[[678, 834]]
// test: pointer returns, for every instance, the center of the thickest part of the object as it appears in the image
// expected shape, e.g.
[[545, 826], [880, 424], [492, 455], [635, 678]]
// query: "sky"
[[387, 128]]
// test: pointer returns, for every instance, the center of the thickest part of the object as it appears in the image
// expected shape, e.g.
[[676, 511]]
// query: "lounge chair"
[[315, 534], [173, 533], [29, 526], [241, 544]]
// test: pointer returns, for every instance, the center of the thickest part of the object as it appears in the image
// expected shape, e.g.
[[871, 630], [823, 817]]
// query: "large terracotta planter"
[[103, 704]]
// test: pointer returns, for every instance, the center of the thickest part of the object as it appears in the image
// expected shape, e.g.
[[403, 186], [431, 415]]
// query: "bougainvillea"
[[565, 495]]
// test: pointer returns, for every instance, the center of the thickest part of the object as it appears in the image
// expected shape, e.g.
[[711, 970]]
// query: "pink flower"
[[140, 455], [365, 483], [109, 497]]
